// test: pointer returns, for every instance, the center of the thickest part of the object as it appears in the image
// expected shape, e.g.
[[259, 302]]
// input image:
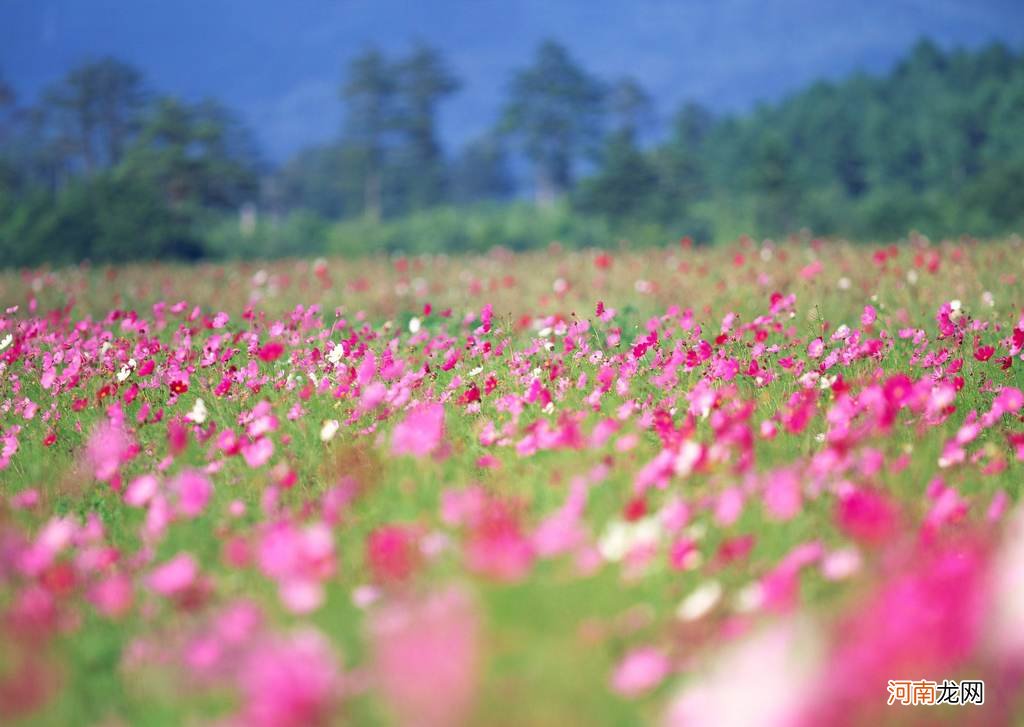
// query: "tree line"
[[102, 167]]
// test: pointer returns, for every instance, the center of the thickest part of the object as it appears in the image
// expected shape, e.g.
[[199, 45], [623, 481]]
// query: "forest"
[[105, 167]]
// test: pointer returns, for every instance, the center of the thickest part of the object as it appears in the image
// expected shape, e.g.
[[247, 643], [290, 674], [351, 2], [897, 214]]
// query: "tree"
[[7, 106], [626, 181], [554, 110], [98, 105], [369, 92], [197, 155], [625, 185], [773, 187], [480, 172], [424, 81], [680, 164], [320, 178], [8, 172], [631, 107]]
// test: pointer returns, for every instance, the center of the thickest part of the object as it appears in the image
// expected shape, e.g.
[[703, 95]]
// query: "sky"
[[279, 64]]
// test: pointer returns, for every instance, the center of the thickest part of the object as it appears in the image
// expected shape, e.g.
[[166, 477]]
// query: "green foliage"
[[194, 155], [103, 169], [97, 173], [624, 186], [390, 141], [106, 219], [296, 234], [934, 145], [517, 226]]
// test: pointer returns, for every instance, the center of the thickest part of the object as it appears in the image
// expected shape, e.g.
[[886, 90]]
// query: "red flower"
[[984, 353], [271, 351], [635, 509], [470, 395]]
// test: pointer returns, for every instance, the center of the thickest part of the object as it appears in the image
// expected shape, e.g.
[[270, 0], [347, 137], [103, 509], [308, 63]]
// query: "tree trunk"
[[372, 197]]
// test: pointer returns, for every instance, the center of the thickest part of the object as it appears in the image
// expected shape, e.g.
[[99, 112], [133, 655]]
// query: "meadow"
[[729, 485]]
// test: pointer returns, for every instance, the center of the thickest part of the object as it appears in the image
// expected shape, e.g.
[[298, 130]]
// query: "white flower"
[[6, 341], [912, 277], [328, 430], [844, 283], [750, 598], [336, 354], [688, 455], [620, 537], [809, 379], [699, 603], [956, 309], [124, 373], [414, 325], [198, 413]]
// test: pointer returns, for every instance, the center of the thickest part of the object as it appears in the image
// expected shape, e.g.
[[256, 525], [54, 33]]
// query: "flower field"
[[738, 485]]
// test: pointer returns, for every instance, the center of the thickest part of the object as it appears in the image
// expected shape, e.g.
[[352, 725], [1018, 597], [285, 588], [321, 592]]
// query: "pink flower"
[[175, 576], [391, 553], [425, 662], [779, 693], [373, 395], [782, 495], [112, 596], [108, 447], [815, 348], [728, 506], [420, 433], [867, 516], [640, 671], [299, 561], [258, 453], [497, 547], [141, 490], [193, 490], [291, 682]]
